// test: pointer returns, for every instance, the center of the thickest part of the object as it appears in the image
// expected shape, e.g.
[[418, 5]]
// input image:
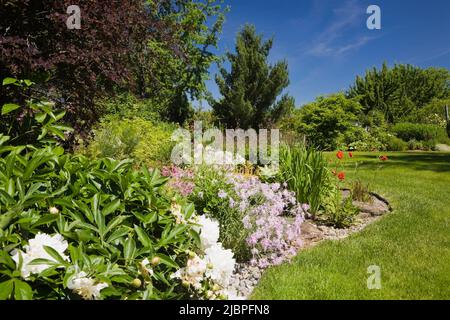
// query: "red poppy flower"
[[350, 154], [383, 158], [340, 155], [341, 176]]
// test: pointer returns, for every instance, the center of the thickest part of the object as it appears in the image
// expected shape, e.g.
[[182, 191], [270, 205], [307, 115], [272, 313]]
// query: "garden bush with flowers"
[[74, 228], [260, 222]]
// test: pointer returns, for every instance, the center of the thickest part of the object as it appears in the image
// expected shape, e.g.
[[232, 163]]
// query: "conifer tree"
[[250, 89]]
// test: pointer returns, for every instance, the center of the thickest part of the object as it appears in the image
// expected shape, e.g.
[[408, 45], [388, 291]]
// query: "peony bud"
[[136, 283], [210, 266], [53, 210], [156, 261]]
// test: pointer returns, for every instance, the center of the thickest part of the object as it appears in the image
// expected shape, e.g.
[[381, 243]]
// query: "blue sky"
[[327, 43]]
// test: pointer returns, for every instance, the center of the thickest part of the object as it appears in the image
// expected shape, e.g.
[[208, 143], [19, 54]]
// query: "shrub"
[[415, 145], [373, 140], [396, 144], [109, 217], [369, 144], [430, 145], [147, 142], [32, 121], [338, 211], [360, 191], [73, 228], [260, 222], [420, 132], [305, 171], [127, 106], [335, 209], [273, 219]]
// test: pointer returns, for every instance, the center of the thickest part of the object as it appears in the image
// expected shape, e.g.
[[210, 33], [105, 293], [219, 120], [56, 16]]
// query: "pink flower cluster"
[[273, 217], [181, 180]]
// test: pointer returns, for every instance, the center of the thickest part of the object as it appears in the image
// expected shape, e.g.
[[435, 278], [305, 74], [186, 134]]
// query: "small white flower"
[[85, 287]]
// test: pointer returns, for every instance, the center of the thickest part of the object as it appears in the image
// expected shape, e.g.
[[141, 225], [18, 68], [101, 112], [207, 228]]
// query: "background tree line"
[[149, 59]]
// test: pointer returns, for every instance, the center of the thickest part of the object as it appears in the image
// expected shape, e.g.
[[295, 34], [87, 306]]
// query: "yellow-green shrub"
[[149, 142]]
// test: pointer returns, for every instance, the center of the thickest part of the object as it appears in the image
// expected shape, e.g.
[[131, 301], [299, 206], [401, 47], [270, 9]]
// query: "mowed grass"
[[411, 245]]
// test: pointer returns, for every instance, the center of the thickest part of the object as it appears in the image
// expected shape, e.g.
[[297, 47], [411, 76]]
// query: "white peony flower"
[[85, 287], [35, 250], [209, 231], [221, 264], [194, 272]]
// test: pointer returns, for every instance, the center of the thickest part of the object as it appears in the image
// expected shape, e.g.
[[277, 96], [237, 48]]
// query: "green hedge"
[[420, 132]]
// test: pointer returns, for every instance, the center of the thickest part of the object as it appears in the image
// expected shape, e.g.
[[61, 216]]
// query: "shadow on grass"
[[427, 161]]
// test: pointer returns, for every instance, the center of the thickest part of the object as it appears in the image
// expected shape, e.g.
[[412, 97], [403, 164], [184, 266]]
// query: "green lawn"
[[410, 245]]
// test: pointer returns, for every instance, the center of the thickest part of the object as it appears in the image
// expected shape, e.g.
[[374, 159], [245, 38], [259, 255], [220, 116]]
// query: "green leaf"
[[111, 207], [22, 290], [129, 249], [57, 132], [115, 222], [59, 151], [3, 139], [7, 81], [196, 237], [44, 132], [29, 83], [6, 289], [5, 259], [55, 255], [9, 107], [142, 236], [46, 219], [40, 117], [11, 187], [118, 233], [45, 262]]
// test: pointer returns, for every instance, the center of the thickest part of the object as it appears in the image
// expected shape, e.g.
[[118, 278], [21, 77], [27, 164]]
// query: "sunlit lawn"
[[410, 245]]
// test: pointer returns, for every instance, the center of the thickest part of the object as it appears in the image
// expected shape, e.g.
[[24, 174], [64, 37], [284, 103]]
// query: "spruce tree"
[[250, 90]]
